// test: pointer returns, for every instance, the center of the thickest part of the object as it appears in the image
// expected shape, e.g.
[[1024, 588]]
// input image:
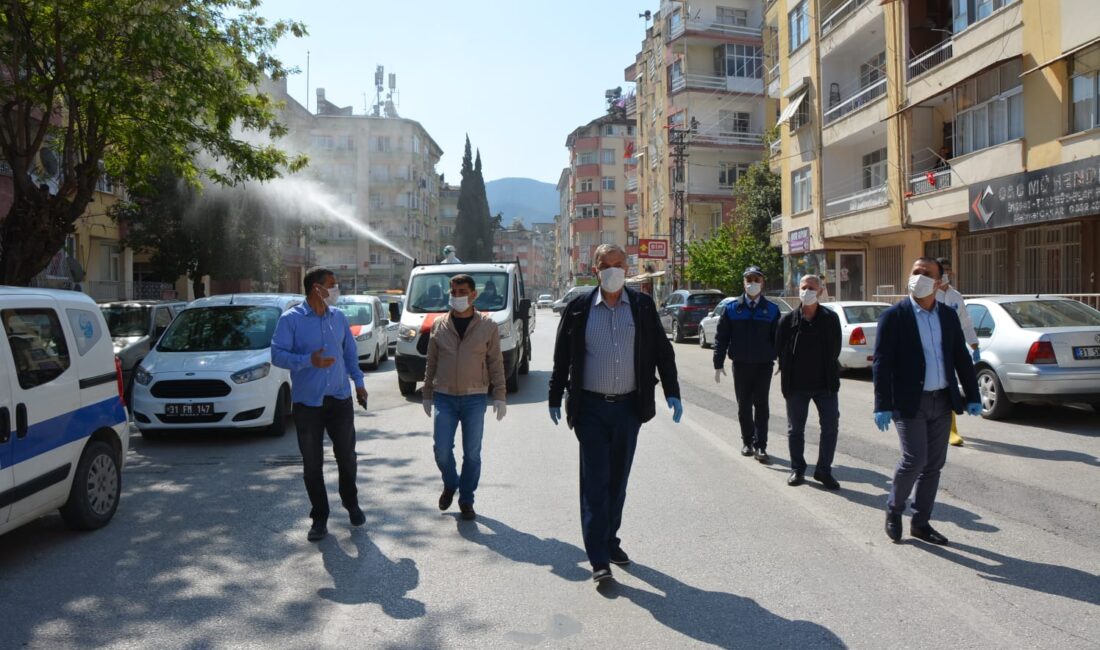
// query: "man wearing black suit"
[[919, 352]]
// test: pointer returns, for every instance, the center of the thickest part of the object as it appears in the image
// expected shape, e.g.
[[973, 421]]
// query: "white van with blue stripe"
[[63, 429]]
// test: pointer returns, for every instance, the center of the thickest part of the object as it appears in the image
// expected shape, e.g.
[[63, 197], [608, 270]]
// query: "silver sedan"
[[1035, 349]]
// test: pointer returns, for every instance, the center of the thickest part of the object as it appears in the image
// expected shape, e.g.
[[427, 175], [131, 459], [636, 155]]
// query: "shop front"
[[844, 270]]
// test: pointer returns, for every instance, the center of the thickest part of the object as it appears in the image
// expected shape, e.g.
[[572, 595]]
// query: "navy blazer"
[[899, 361]]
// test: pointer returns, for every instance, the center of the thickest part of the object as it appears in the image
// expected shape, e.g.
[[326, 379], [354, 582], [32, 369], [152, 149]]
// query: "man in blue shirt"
[[314, 342], [919, 352]]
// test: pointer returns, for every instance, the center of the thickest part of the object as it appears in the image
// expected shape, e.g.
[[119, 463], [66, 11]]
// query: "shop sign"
[[1065, 191], [653, 249], [799, 241]]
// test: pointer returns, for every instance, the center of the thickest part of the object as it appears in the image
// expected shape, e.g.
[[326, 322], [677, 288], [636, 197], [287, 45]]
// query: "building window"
[[608, 210], [607, 156], [376, 200], [379, 143], [607, 183], [731, 16], [630, 129], [322, 142], [989, 109], [874, 169], [733, 122], [890, 276], [111, 271], [1085, 90], [587, 185], [589, 211], [586, 158], [967, 12], [873, 71], [798, 26], [800, 190], [729, 173], [609, 129], [745, 61], [801, 115], [1048, 259]]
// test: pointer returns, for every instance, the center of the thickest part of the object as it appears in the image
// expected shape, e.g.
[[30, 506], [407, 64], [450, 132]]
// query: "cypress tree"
[[473, 229]]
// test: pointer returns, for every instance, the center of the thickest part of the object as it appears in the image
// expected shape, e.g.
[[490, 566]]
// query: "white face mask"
[[946, 279], [921, 286], [333, 296], [612, 279], [460, 303], [753, 288], [807, 296]]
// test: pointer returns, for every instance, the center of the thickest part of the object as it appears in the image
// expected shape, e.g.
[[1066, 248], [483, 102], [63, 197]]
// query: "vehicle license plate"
[[188, 410], [1089, 352]]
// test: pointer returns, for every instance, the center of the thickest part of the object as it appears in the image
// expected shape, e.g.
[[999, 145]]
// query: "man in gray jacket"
[[464, 364]]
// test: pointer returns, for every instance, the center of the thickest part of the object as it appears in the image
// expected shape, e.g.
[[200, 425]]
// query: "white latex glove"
[[427, 404], [500, 408], [718, 373]]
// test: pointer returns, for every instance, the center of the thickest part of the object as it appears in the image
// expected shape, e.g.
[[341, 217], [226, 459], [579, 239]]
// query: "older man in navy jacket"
[[919, 352]]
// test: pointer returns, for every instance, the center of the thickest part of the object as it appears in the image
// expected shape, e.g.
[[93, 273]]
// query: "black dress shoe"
[[746, 450], [619, 556], [446, 498], [795, 479], [762, 456], [893, 526], [928, 534], [357, 517], [467, 511], [600, 575], [827, 480], [317, 531]]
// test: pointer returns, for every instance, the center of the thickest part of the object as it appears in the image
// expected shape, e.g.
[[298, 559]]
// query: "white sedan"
[[708, 327], [858, 327]]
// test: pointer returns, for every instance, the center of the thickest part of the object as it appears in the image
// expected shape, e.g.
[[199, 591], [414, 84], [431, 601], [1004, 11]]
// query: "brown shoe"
[[467, 511], [446, 498]]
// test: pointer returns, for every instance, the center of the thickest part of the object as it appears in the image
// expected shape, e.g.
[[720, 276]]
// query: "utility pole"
[[678, 143]]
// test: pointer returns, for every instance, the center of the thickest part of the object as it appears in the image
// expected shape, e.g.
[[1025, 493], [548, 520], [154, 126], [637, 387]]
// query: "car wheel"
[[372, 365], [406, 387], [525, 364], [278, 425], [385, 352], [677, 333], [994, 403], [97, 485], [703, 337], [512, 383]]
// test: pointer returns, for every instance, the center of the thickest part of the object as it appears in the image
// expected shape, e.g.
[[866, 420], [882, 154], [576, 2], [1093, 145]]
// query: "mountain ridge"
[[531, 200]]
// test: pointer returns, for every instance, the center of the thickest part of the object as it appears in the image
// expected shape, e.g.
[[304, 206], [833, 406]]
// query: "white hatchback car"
[[858, 331], [63, 430], [212, 368], [368, 322]]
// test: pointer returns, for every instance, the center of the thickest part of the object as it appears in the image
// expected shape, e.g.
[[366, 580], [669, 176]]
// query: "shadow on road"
[[1053, 579], [719, 618], [944, 512], [1023, 451], [370, 577], [562, 558]]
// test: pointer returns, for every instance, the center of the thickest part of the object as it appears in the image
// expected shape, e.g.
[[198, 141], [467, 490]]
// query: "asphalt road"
[[208, 548]]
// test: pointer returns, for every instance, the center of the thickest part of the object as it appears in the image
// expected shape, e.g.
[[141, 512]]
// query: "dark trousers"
[[923, 454], [751, 384], [336, 417], [828, 415], [608, 435]]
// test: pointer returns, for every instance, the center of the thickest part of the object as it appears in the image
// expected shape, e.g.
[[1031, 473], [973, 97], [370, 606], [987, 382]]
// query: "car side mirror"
[[384, 322], [525, 306]]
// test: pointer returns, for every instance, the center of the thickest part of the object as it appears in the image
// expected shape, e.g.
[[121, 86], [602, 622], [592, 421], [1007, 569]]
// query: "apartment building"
[[598, 201], [700, 85], [563, 271], [530, 246], [448, 214], [965, 129]]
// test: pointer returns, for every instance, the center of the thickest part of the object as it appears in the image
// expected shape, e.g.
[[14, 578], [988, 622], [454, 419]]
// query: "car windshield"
[[430, 292], [864, 313], [216, 329], [1052, 313], [358, 313], [546, 296], [705, 299], [126, 320]]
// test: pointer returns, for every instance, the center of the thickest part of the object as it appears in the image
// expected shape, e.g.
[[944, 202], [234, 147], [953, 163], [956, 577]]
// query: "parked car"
[[135, 327], [681, 312], [708, 327], [61, 388], [858, 327], [395, 305], [1035, 349], [368, 323], [560, 303], [212, 368], [545, 300]]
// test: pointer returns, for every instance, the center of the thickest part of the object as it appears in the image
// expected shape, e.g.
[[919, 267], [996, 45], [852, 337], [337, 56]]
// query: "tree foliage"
[[474, 226], [128, 88]]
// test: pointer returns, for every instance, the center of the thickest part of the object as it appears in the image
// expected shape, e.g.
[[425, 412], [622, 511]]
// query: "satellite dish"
[[47, 169]]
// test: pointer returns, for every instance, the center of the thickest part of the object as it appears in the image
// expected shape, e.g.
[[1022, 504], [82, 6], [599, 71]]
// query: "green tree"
[[474, 226], [127, 88], [759, 198]]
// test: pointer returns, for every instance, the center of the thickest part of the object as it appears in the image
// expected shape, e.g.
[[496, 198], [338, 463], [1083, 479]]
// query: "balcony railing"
[[856, 101], [775, 147], [836, 16], [930, 59], [862, 200], [728, 138], [772, 77], [631, 105], [777, 224], [712, 27], [631, 183], [929, 181]]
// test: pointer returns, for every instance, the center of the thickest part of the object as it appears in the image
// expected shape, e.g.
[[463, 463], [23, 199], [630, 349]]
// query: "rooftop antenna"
[[379, 76], [307, 81]]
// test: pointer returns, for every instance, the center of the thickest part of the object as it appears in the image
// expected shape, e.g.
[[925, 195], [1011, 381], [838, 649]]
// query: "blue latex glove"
[[974, 408], [882, 420], [977, 356], [555, 413], [677, 407]]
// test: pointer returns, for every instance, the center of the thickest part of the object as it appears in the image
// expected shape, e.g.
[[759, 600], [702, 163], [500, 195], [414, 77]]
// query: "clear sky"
[[517, 75]]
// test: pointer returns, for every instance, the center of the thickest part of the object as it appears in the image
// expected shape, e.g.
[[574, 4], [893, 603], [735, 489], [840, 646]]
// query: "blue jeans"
[[450, 410], [828, 414]]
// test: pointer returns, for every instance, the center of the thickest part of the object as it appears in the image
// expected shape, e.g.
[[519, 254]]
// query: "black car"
[[681, 312]]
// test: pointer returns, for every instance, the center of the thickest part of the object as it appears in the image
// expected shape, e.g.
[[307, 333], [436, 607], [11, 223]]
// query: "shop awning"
[[792, 108], [642, 277]]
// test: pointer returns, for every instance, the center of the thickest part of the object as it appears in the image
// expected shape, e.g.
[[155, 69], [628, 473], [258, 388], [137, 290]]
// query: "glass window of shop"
[[843, 272]]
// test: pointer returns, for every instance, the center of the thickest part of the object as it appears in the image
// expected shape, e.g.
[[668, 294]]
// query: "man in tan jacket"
[[464, 365]]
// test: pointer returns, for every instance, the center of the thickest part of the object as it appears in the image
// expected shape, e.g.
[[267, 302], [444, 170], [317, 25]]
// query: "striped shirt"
[[609, 347]]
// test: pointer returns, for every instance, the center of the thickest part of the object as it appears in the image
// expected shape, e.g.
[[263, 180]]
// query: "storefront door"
[[849, 276]]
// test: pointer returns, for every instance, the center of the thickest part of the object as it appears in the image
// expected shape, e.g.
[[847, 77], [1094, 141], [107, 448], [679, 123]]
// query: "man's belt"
[[611, 398]]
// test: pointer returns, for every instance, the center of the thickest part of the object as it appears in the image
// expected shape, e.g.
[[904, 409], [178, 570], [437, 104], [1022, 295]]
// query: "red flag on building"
[[931, 176], [628, 152]]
